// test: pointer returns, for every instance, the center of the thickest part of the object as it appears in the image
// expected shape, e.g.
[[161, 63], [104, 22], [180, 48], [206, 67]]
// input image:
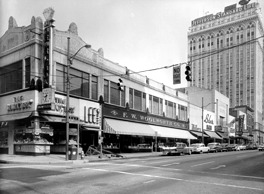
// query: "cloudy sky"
[[138, 34]]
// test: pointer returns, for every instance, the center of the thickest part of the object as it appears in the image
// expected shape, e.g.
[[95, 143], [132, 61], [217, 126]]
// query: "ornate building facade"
[[226, 53]]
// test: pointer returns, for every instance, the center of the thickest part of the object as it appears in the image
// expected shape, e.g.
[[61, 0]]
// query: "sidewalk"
[[60, 159]]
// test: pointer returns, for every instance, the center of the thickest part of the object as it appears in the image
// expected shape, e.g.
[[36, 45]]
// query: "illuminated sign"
[[221, 14]]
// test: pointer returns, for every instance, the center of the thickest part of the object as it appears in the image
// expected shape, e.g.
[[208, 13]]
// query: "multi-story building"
[[226, 51], [39, 65]]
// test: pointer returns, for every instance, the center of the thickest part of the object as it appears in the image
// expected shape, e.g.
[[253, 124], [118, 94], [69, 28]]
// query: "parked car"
[[231, 147], [214, 147], [225, 147], [261, 147], [199, 148], [176, 148], [240, 147], [251, 146]]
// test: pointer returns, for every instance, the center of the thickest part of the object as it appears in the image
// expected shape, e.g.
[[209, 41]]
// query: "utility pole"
[[202, 121], [69, 62]]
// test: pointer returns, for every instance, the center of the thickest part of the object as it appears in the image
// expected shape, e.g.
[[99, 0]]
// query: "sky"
[[138, 34]]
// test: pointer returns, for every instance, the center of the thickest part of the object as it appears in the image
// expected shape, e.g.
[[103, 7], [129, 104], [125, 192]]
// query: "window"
[[11, 77], [60, 78], [137, 100], [182, 111], [27, 73], [170, 109], [112, 94], [80, 84], [94, 87], [155, 105], [86, 85], [75, 82], [106, 91]]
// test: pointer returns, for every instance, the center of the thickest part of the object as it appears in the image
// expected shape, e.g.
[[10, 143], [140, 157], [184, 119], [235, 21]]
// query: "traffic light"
[[120, 85], [188, 73], [46, 44]]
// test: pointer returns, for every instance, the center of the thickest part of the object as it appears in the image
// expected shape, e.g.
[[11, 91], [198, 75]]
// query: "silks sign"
[[142, 117]]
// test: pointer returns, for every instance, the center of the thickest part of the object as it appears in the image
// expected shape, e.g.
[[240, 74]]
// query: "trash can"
[[72, 153]]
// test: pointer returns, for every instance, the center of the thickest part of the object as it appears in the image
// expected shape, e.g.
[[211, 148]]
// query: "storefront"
[[126, 130], [20, 131], [84, 123]]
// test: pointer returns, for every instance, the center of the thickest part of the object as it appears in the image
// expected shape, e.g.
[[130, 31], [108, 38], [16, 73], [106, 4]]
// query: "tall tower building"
[[226, 53]]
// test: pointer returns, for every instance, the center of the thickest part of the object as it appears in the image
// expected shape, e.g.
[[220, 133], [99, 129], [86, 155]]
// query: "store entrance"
[[88, 138]]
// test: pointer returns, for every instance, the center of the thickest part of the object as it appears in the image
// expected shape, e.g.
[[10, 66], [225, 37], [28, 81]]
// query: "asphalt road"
[[230, 172]]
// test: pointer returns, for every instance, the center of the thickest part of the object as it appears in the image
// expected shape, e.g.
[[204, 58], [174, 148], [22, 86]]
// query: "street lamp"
[[203, 117], [69, 62]]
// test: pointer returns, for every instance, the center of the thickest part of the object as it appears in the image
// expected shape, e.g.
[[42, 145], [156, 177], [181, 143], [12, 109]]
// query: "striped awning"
[[172, 133], [199, 134], [127, 128], [213, 134]]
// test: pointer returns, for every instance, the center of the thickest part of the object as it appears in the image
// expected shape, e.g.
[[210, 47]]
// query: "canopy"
[[223, 135], [213, 134], [15, 116], [127, 128], [199, 134], [173, 133]]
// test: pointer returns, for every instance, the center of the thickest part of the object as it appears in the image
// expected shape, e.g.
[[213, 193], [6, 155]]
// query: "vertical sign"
[[240, 125], [177, 75]]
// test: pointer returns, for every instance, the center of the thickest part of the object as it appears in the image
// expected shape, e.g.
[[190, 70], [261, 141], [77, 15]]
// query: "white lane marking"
[[202, 164], [170, 164], [221, 166], [150, 181], [176, 169], [176, 179], [34, 166]]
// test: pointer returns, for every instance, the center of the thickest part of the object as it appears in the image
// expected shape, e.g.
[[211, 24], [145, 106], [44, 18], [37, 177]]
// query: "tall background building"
[[226, 54]]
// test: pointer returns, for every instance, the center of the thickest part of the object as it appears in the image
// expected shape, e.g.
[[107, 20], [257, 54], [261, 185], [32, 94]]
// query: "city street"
[[226, 172]]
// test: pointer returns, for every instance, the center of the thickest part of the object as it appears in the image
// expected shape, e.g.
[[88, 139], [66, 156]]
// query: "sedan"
[[199, 148], [261, 147], [240, 147], [215, 147]]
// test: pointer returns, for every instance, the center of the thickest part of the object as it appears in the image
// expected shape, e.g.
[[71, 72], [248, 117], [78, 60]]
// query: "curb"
[[78, 161]]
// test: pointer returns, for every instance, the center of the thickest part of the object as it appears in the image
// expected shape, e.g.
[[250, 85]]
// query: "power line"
[[211, 53]]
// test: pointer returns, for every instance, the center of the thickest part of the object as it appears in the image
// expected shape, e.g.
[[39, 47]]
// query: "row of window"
[[86, 85]]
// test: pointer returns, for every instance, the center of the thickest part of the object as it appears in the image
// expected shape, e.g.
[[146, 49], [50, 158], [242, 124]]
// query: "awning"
[[213, 134], [59, 119], [127, 128], [173, 133], [15, 116], [89, 128], [199, 134], [223, 135]]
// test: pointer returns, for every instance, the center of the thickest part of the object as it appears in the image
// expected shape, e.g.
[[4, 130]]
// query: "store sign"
[[89, 113], [19, 103], [143, 117], [208, 119], [222, 14]]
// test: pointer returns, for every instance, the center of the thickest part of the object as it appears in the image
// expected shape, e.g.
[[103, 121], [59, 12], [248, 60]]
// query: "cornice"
[[21, 46]]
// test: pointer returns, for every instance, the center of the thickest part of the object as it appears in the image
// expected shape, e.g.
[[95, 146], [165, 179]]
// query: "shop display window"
[[30, 136], [3, 139]]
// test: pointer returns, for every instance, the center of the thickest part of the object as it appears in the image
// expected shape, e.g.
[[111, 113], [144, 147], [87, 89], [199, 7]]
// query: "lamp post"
[[203, 117], [69, 62]]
